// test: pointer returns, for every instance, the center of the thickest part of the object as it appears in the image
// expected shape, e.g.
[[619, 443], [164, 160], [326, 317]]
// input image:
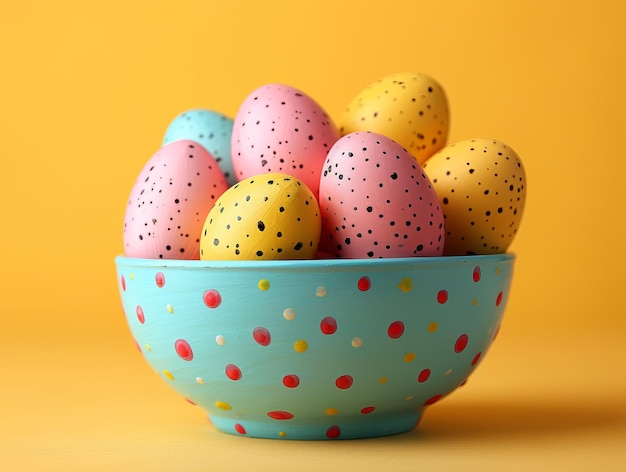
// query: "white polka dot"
[[357, 342], [219, 339], [289, 314], [321, 291], [200, 380]]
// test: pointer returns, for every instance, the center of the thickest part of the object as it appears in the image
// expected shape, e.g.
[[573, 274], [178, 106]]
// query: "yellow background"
[[86, 92]]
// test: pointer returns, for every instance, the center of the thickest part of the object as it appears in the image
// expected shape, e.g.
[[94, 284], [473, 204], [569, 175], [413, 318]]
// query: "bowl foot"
[[341, 428]]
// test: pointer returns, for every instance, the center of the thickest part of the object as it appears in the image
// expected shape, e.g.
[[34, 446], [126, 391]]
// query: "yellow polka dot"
[[474, 302], [357, 342], [223, 405], [406, 284], [432, 327], [448, 372], [282, 434], [148, 348], [409, 357], [132, 276], [331, 411], [200, 380], [264, 284], [289, 314], [409, 398], [168, 374], [321, 291], [497, 270], [383, 380], [170, 308], [300, 345]]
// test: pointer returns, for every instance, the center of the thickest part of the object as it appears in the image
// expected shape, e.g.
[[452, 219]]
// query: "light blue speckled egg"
[[210, 129]]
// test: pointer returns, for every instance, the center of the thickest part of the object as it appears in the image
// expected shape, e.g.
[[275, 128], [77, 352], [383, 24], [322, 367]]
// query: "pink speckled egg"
[[278, 128], [170, 200], [377, 202]]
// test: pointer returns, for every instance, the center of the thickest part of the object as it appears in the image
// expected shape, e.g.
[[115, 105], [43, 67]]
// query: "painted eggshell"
[[278, 128], [267, 216], [169, 202], [481, 184], [209, 128], [410, 108], [376, 201]]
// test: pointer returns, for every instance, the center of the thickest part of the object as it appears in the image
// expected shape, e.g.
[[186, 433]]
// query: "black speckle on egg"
[[261, 226], [298, 246]]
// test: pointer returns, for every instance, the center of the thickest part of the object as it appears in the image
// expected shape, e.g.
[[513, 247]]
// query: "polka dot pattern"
[[482, 187], [177, 185], [376, 202], [356, 345], [296, 144]]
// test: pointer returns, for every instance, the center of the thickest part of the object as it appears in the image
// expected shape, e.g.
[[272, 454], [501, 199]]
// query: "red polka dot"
[[262, 336], [123, 282], [395, 330], [497, 331], [328, 325], [364, 283], [138, 347], [191, 402], [280, 415], [499, 299], [212, 298], [433, 399], [442, 296], [233, 372], [333, 432], [476, 358], [343, 382], [423, 375], [240, 429], [183, 349], [140, 316], [291, 381], [461, 343], [367, 410], [476, 274], [159, 278]]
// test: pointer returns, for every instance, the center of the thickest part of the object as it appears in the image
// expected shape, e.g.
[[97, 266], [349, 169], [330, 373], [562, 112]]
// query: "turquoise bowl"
[[315, 349]]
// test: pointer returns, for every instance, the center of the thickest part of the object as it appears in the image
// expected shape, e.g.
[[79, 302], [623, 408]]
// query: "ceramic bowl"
[[315, 349]]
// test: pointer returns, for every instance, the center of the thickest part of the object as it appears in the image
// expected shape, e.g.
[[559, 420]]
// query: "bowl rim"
[[313, 264]]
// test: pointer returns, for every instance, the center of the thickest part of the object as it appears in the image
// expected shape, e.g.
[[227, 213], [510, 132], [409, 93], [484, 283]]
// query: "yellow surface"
[[86, 91]]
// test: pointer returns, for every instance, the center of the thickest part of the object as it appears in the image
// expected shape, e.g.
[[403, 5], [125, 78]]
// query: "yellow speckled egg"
[[481, 184], [410, 108], [266, 216]]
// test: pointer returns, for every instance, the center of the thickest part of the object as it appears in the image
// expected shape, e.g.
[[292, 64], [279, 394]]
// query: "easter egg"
[[481, 184], [377, 202], [410, 108], [279, 128], [169, 202], [266, 216], [209, 128]]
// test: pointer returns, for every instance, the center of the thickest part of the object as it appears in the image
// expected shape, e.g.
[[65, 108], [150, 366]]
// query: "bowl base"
[[343, 428]]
